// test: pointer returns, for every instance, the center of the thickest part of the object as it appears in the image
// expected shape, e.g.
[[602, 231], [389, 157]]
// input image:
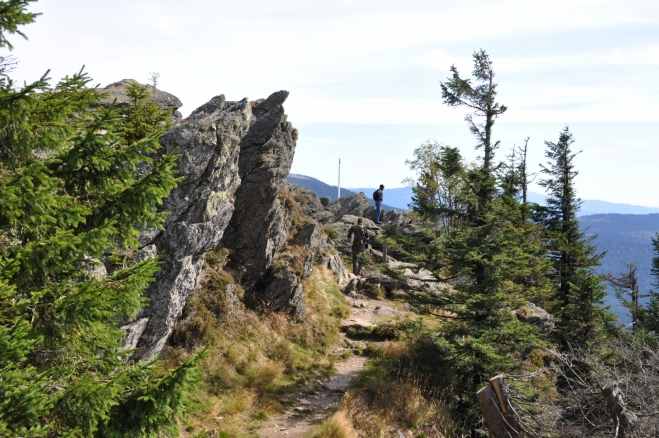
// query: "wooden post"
[[623, 420], [384, 253], [498, 410], [496, 424], [513, 427]]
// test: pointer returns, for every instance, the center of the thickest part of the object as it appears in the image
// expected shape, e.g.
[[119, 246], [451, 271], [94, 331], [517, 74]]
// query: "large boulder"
[[260, 223], [352, 205], [281, 291], [309, 202], [199, 212], [537, 316], [116, 94], [312, 236]]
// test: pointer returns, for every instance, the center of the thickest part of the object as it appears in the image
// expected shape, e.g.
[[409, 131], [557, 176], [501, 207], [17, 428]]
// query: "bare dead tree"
[[612, 393], [626, 284]]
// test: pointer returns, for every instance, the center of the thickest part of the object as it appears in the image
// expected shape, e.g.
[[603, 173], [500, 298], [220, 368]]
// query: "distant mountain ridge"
[[400, 197], [589, 207], [323, 190], [625, 238]]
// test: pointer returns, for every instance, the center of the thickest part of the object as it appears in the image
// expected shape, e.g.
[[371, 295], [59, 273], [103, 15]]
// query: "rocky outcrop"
[[199, 212], [312, 236], [117, 95], [259, 226], [283, 292], [352, 205], [309, 203]]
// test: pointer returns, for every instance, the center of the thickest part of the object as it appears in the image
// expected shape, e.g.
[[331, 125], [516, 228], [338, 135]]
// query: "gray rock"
[[336, 264], [283, 292], [369, 212], [260, 223], [414, 230], [353, 205], [133, 332], [94, 268], [537, 316], [312, 236], [145, 252], [117, 95], [232, 299], [308, 202], [217, 103], [200, 209], [325, 201]]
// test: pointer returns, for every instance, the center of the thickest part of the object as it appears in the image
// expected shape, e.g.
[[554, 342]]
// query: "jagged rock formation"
[[266, 155], [200, 209], [537, 316], [353, 205], [235, 160]]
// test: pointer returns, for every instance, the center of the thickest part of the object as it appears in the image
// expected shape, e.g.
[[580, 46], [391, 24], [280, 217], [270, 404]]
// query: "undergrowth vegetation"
[[254, 358], [403, 386]]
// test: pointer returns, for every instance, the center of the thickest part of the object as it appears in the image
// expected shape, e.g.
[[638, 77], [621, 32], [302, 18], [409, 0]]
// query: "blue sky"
[[364, 75]]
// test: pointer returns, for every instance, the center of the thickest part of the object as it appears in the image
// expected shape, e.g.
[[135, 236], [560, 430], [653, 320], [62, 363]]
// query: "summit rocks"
[[199, 212], [234, 161]]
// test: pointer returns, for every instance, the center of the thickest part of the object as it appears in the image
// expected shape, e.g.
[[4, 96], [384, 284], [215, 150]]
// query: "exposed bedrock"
[[199, 211], [260, 223]]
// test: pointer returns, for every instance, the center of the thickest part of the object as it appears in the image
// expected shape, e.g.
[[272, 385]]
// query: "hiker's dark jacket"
[[361, 234], [377, 196]]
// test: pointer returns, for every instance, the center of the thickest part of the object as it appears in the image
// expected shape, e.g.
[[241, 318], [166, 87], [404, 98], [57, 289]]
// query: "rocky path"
[[317, 400]]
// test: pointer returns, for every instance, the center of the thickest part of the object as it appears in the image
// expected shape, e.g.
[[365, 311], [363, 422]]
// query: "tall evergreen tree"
[[497, 254], [70, 197], [579, 291]]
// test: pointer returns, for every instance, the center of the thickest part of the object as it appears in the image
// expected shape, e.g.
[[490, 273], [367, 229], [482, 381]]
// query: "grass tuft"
[[337, 426]]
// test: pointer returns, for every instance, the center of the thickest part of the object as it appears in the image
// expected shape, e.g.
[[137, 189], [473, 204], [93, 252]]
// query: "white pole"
[[338, 194]]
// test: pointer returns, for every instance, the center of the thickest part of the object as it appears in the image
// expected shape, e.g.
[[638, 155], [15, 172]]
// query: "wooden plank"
[[496, 423]]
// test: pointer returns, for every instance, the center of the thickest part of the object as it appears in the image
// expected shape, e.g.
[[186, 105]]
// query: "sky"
[[364, 75]]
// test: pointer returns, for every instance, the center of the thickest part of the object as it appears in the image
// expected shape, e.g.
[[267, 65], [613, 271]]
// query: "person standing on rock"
[[360, 237], [378, 197]]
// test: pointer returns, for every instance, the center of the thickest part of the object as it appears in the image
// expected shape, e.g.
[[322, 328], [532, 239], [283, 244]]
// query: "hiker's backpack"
[[376, 195]]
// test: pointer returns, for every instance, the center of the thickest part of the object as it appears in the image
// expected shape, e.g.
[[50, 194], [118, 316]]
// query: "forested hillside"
[[625, 238]]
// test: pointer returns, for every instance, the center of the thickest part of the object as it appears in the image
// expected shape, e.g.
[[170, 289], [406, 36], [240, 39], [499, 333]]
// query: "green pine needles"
[[76, 187]]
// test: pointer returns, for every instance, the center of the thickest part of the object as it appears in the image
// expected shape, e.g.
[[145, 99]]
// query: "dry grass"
[[383, 401], [337, 426], [296, 215], [254, 359]]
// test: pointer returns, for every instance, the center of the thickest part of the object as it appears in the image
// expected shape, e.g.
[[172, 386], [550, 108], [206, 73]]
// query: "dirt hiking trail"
[[310, 405]]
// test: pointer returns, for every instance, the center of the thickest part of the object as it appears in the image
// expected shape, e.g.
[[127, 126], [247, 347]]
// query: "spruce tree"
[[495, 254], [71, 202], [579, 292]]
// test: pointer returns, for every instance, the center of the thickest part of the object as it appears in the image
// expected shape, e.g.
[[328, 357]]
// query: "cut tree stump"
[[498, 411]]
